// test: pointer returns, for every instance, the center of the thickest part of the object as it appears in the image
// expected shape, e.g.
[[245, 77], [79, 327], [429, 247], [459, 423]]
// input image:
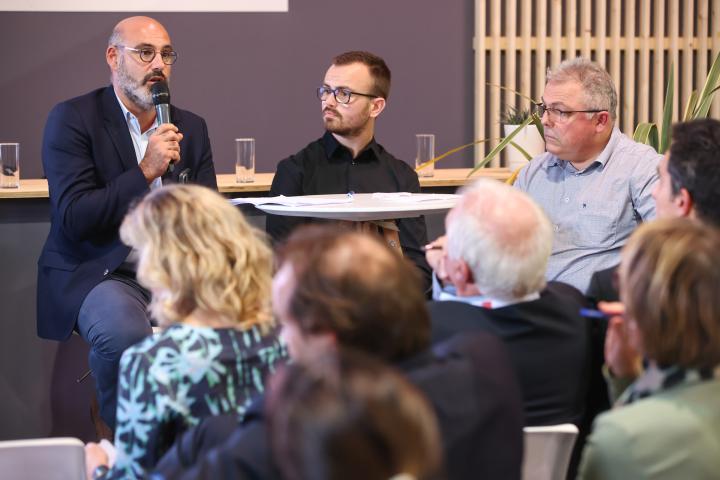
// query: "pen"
[[432, 247], [592, 313]]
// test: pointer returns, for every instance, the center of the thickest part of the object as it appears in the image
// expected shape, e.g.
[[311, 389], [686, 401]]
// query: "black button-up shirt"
[[325, 167]]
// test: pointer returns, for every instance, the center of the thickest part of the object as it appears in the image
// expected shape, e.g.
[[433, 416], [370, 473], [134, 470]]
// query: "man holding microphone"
[[101, 152]]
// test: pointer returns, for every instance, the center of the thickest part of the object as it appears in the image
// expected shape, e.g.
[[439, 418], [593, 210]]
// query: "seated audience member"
[[666, 424], [593, 182], [347, 416], [496, 251], [689, 175], [348, 289], [347, 158], [209, 274]]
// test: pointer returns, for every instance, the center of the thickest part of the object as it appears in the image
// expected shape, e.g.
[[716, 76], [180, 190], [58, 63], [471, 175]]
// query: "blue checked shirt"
[[593, 211]]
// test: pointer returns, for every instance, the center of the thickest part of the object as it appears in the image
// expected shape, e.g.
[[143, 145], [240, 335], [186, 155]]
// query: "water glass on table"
[[245, 160], [425, 152], [9, 165]]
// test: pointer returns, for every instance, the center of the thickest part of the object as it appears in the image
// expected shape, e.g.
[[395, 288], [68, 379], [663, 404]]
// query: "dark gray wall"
[[254, 74]]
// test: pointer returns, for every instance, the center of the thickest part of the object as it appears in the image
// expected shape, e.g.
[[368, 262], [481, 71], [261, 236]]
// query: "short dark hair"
[[670, 284], [347, 415], [379, 70], [352, 285], [694, 165]]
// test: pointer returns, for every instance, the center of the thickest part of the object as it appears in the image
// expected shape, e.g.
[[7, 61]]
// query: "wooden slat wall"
[[635, 40]]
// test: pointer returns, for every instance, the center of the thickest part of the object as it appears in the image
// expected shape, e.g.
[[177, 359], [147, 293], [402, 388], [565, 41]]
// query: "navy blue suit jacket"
[[549, 345], [93, 177]]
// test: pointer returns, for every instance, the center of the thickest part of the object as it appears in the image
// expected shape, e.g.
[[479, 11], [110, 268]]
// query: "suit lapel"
[[117, 128]]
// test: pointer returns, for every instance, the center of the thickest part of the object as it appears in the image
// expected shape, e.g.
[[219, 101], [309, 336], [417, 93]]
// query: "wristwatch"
[[100, 471]]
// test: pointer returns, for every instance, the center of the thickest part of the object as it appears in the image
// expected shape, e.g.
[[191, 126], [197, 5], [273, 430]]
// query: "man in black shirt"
[[347, 158]]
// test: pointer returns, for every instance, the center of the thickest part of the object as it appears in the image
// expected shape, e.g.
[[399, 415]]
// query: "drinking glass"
[[245, 160], [9, 165], [425, 152]]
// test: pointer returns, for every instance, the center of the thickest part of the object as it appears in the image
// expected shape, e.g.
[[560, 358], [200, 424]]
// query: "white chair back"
[[43, 458], [547, 451]]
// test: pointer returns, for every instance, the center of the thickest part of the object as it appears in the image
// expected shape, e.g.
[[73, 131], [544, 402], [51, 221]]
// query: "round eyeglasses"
[[147, 54], [342, 95]]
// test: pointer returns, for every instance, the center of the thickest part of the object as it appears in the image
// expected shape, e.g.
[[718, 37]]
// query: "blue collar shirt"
[[592, 211]]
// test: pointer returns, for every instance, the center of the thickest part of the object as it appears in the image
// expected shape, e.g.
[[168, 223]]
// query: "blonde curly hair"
[[199, 256]]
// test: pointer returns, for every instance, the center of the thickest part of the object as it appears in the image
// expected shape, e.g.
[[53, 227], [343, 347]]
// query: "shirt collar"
[[131, 119], [332, 145], [655, 379], [485, 301], [600, 160], [610, 147]]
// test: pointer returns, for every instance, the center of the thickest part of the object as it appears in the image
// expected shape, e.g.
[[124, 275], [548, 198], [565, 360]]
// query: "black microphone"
[[161, 99]]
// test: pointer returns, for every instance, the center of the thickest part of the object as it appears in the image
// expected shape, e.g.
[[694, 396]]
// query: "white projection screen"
[[144, 6]]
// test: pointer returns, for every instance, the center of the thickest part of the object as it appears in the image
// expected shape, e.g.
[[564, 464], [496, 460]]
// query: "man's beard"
[[137, 91], [334, 125]]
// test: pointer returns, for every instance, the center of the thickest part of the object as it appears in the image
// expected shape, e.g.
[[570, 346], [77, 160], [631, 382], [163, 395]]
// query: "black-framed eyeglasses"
[[342, 95], [147, 54], [556, 114]]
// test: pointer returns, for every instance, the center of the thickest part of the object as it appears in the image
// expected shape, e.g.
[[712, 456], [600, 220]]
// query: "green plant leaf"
[[706, 94], [514, 175], [667, 113], [537, 121], [704, 108], [524, 153], [514, 116], [647, 133], [690, 106], [499, 147], [513, 91]]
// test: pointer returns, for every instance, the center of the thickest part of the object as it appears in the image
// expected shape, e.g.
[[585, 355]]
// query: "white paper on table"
[[407, 197], [291, 201]]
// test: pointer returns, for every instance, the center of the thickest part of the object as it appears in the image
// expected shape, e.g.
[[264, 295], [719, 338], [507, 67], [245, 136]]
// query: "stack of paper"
[[407, 197], [291, 201]]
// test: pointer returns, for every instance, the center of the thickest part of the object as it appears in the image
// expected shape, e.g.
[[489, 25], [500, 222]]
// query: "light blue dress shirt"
[[593, 211], [448, 292]]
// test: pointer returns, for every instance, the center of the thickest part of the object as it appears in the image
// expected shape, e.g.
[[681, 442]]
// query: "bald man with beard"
[[101, 152]]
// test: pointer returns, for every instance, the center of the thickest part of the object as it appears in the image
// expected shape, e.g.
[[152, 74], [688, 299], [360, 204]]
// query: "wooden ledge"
[[443, 177]]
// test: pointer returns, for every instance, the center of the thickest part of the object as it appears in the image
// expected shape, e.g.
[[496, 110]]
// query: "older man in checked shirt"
[[593, 182]]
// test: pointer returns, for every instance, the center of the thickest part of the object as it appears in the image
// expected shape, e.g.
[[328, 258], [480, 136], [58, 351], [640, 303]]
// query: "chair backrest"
[[45, 458], [547, 451]]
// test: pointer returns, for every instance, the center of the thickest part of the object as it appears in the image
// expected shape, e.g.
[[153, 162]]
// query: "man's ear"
[[111, 57], [377, 105], [684, 202], [602, 121], [459, 273]]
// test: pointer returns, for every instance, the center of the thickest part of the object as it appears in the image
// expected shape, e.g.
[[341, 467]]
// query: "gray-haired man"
[[593, 182]]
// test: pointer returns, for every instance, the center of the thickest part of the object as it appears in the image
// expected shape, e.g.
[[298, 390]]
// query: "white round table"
[[367, 206]]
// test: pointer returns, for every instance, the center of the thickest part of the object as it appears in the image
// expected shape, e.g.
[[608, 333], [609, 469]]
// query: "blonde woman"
[[209, 274]]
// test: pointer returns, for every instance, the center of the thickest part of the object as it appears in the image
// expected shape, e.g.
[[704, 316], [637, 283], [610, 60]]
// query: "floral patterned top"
[[170, 381]]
